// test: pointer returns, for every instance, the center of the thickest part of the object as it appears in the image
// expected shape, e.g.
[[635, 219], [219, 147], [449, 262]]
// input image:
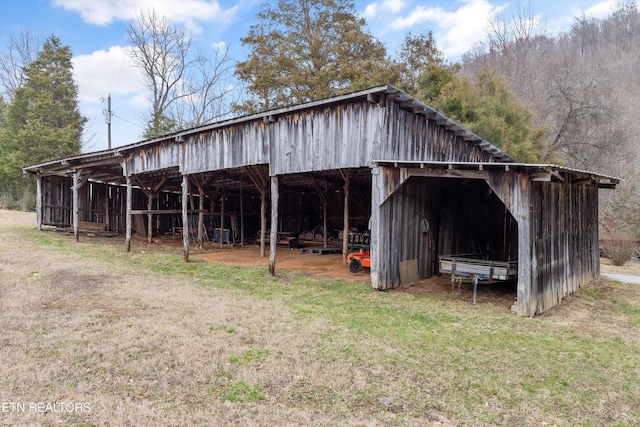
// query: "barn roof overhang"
[[536, 172], [107, 165], [376, 95], [110, 160]]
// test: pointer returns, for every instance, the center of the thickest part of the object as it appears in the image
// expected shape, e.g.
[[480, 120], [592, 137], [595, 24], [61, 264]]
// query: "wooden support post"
[[149, 218], [345, 232], [378, 195], [39, 202], [221, 218], [273, 240], [263, 221], [127, 240], [515, 192], [241, 215], [107, 200], [323, 199], [201, 217], [324, 225], [185, 216], [75, 205]]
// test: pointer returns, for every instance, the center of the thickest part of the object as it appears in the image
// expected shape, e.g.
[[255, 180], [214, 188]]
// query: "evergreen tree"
[[303, 50], [417, 54], [487, 108], [43, 121]]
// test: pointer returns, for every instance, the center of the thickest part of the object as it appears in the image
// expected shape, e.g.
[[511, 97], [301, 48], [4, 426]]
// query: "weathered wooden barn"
[[376, 160]]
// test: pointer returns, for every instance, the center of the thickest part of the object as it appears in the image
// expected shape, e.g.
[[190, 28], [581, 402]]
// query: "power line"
[[125, 120]]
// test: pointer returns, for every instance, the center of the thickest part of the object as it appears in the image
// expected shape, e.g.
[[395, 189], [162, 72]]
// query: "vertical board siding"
[[326, 138], [155, 157], [412, 137], [227, 147], [565, 227], [57, 201]]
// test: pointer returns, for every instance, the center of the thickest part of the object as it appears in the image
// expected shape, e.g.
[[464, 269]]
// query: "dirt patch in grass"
[[329, 266]]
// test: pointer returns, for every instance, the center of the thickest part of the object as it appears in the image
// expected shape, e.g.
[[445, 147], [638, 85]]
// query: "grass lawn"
[[143, 338]]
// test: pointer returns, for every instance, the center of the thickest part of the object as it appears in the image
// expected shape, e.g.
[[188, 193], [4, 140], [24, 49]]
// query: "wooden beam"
[[185, 217], [39, 202], [75, 204], [323, 199], [406, 173], [107, 219], [201, 218], [378, 196], [263, 222], [346, 175], [515, 191], [81, 181], [221, 217], [127, 240], [259, 177], [274, 225], [149, 219], [241, 214]]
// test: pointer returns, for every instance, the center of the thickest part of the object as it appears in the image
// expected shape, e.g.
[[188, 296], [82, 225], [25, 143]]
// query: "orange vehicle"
[[357, 260]]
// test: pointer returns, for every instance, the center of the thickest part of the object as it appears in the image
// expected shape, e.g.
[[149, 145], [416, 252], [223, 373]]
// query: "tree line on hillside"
[[567, 98]]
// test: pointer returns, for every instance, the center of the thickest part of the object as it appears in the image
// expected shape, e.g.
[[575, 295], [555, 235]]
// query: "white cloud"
[[188, 12], [598, 10], [371, 11], [393, 6], [106, 71], [219, 47], [456, 31], [381, 9], [103, 73]]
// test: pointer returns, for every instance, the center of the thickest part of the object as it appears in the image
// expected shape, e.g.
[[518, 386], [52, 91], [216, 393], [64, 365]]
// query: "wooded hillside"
[[582, 87]]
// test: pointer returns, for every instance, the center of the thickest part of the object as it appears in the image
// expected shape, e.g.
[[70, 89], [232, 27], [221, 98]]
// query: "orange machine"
[[357, 260]]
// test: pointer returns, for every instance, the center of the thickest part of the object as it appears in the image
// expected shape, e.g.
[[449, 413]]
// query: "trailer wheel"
[[355, 266]]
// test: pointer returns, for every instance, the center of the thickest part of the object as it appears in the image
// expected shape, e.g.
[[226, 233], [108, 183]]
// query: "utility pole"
[[109, 122], [108, 115]]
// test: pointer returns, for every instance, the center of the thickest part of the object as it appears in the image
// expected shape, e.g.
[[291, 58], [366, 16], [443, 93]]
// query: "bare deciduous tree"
[[207, 90], [187, 88], [20, 50]]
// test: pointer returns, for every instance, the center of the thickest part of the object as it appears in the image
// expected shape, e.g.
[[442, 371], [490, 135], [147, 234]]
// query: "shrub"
[[620, 249]]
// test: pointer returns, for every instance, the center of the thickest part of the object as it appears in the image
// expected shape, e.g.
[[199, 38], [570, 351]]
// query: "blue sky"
[[96, 32]]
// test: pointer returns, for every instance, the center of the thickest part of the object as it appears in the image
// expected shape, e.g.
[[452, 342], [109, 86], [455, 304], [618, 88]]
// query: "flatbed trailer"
[[477, 267]]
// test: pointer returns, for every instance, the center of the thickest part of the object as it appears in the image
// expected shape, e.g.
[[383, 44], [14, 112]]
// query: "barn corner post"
[[376, 227], [185, 216], [527, 303], [273, 238], [39, 202], [515, 191]]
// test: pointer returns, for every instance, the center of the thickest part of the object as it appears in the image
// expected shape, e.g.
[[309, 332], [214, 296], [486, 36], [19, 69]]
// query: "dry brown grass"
[[145, 351], [146, 347]]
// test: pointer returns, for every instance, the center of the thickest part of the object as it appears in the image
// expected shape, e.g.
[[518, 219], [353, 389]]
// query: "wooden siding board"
[[328, 138], [412, 137], [565, 229]]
